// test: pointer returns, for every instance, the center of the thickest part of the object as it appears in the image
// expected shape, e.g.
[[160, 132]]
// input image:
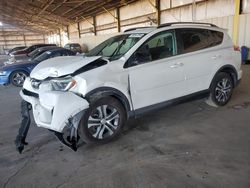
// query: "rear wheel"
[[17, 78], [103, 121], [221, 89]]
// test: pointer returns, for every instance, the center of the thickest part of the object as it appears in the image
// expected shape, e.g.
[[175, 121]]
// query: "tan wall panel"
[[244, 28], [139, 8], [92, 41], [72, 28], [165, 4], [105, 18], [86, 24]]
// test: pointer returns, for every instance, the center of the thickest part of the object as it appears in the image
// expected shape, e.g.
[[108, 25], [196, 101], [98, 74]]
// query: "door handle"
[[176, 65], [216, 56]]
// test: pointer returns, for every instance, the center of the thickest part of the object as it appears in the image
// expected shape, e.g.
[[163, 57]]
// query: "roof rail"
[[176, 23], [135, 28]]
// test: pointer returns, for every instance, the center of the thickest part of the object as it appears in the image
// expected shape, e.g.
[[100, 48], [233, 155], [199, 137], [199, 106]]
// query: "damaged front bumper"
[[57, 111]]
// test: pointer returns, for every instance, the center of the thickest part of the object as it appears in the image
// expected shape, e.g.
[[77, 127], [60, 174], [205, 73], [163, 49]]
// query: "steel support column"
[[79, 29], [94, 25], [236, 21], [118, 19], [67, 30], [158, 11]]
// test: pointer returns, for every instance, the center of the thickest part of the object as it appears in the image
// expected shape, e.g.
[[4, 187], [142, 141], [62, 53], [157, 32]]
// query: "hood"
[[60, 66], [8, 66]]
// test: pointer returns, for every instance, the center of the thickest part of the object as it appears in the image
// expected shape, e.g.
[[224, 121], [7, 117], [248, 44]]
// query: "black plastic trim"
[[29, 93], [193, 23], [235, 74], [108, 91], [135, 28], [92, 65], [151, 108]]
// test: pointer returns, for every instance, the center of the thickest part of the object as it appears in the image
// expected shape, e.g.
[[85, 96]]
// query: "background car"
[[15, 49], [31, 55], [30, 49], [74, 47], [17, 72]]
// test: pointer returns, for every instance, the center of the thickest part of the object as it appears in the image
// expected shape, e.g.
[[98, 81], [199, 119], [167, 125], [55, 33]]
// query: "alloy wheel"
[[223, 90], [103, 121], [18, 78]]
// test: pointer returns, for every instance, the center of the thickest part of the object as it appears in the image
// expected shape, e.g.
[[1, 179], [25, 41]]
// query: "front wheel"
[[17, 78], [221, 89], [103, 121]]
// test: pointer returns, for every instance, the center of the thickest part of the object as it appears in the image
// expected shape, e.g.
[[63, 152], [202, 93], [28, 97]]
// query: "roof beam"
[[45, 7], [21, 15], [31, 9], [23, 22], [79, 13], [58, 6], [78, 5], [98, 8], [22, 12]]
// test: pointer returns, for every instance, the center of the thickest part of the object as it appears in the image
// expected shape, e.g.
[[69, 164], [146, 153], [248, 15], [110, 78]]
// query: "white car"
[[138, 71]]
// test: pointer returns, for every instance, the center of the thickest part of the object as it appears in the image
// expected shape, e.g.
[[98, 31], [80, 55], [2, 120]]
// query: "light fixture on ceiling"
[[1, 24]]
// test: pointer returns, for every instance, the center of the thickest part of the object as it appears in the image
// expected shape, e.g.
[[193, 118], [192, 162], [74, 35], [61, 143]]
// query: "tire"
[[17, 78], [103, 121], [221, 89]]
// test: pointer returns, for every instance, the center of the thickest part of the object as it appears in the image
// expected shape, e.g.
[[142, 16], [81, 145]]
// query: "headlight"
[[3, 73], [62, 84]]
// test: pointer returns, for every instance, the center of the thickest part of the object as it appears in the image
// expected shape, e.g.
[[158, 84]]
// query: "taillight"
[[237, 48]]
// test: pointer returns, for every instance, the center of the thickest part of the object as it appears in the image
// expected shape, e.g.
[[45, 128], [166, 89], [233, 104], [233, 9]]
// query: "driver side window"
[[160, 46]]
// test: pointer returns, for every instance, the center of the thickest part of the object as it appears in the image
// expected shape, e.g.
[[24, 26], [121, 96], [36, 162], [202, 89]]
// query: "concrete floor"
[[189, 145]]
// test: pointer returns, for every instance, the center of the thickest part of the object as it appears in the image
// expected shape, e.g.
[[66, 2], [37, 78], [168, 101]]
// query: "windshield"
[[43, 56], [33, 53], [115, 47], [48, 55]]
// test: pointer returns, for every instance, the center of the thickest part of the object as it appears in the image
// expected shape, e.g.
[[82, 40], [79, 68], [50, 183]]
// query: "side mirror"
[[141, 57]]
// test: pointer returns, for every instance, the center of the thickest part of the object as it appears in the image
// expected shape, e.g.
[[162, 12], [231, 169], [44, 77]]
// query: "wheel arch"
[[112, 92], [229, 69]]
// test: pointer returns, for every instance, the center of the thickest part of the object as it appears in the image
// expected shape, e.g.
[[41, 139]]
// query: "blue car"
[[16, 73]]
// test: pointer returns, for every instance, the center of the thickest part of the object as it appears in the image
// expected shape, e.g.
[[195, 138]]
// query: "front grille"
[[29, 93]]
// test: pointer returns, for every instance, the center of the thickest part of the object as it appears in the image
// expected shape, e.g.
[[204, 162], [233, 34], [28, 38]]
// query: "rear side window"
[[216, 38], [197, 39]]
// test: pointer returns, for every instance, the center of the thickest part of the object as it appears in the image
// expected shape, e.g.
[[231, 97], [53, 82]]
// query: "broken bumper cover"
[[57, 111], [53, 109]]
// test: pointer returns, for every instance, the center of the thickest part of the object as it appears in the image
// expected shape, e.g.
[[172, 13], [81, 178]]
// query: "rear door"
[[200, 55], [154, 73]]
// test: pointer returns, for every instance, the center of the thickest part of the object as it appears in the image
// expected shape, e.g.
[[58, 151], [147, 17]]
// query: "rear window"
[[197, 39], [75, 45]]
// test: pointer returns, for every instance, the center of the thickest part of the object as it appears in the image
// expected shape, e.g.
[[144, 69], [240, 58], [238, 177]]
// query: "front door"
[[155, 74]]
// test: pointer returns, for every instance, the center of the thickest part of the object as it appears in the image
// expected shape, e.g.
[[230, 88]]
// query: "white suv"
[[141, 70]]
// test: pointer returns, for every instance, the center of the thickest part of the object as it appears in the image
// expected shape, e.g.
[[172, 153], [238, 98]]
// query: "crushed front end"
[[55, 106]]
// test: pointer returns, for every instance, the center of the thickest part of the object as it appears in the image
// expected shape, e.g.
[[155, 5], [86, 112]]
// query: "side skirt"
[[195, 96]]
